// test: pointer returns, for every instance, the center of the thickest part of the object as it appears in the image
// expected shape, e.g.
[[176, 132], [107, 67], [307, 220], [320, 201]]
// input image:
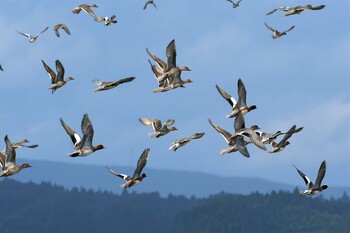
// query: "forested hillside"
[[28, 207]]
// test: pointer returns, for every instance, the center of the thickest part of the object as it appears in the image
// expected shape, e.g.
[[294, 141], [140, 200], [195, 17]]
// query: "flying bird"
[[182, 142], [312, 188], [32, 38], [171, 73], [158, 128], [149, 2], [137, 177], [232, 146], [60, 26], [234, 5], [295, 10], [277, 147], [108, 21], [103, 86], [86, 8], [239, 106], [82, 146], [278, 34], [56, 80], [8, 160]]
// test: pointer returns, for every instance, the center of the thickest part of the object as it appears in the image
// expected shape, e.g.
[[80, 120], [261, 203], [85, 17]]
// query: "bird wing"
[[65, 28], [50, 72], [242, 94], [72, 134], [24, 34], [155, 123], [60, 71], [88, 132], [291, 28], [273, 11], [42, 31], [269, 27], [171, 55], [317, 7], [232, 101], [226, 135], [159, 61], [239, 122], [197, 135], [10, 153], [124, 80], [141, 163], [241, 145], [123, 176], [306, 179], [320, 174]]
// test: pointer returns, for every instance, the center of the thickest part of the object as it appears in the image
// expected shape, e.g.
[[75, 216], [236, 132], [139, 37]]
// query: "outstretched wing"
[[50, 72], [320, 175], [291, 28], [10, 153], [43, 31], [141, 163], [269, 27], [72, 134], [171, 55], [306, 179], [242, 94], [123, 176], [88, 132], [226, 135], [231, 100], [60, 71]]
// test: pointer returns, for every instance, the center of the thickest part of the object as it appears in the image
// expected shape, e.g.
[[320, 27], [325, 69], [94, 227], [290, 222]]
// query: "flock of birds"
[[168, 76]]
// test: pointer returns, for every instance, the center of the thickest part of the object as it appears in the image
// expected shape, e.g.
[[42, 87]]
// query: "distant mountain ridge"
[[164, 182]]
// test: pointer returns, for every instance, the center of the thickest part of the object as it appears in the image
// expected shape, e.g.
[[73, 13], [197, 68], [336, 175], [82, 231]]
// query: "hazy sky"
[[302, 78]]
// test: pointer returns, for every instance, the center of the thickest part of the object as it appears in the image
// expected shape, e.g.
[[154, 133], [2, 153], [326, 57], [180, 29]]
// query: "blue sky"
[[302, 79]]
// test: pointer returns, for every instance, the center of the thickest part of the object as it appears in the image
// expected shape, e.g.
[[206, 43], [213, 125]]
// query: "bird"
[[277, 147], [103, 86], [8, 160], [149, 2], [170, 71], [182, 142], [159, 129], [232, 146], [241, 130], [278, 34], [108, 21], [268, 138], [82, 146], [60, 26], [234, 5], [137, 177], [295, 10], [312, 188], [32, 38], [86, 8], [239, 106], [56, 80]]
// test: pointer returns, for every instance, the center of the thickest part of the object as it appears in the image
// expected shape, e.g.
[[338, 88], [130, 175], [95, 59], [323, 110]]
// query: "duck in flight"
[[103, 86], [277, 34], [82, 146], [56, 80], [312, 188], [8, 160], [32, 38], [137, 177], [61, 26]]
